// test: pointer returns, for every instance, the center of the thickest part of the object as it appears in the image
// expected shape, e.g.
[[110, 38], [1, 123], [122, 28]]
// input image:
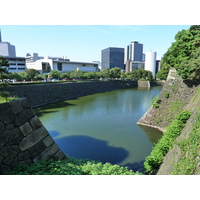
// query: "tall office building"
[[6, 49], [133, 56], [133, 52], [112, 57]]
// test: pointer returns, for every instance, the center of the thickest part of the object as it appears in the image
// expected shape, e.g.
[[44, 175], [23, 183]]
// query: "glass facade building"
[[112, 57]]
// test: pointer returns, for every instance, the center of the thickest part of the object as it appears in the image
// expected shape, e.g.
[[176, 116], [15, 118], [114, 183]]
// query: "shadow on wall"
[[87, 147], [54, 107]]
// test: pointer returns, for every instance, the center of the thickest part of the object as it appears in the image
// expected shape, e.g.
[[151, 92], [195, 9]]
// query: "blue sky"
[[85, 42]]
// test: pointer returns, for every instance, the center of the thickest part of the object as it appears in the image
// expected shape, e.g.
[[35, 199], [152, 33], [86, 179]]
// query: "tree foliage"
[[4, 64], [181, 54], [31, 73]]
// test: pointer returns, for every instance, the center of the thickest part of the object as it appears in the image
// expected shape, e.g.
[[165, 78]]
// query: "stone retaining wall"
[[23, 138], [41, 94]]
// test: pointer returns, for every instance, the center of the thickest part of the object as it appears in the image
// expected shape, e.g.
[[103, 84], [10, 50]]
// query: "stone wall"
[[174, 96], [23, 138], [41, 94]]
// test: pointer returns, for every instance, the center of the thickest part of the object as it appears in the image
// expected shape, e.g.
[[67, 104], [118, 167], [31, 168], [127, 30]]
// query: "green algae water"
[[103, 126]]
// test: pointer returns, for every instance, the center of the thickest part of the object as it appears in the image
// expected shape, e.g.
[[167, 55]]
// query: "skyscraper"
[[133, 56], [0, 36], [133, 52], [6, 49], [112, 57]]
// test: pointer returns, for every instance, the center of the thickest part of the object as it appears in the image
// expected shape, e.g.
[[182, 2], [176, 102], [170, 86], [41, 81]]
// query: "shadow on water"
[[80, 146], [153, 134], [51, 108]]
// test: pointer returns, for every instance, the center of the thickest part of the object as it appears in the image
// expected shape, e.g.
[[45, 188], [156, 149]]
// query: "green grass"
[[72, 166], [190, 152], [3, 100]]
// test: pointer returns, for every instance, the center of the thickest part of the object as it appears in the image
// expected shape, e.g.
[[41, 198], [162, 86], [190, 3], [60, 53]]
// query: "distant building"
[[6, 49], [133, 56], [112, 57], [17, 64], [150, 62], [62, 64]]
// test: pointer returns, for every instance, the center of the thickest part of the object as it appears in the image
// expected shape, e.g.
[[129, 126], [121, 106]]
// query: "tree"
[[55, 74], [115, 72], [187, 42], [105, 73], [32, 73], [78, 74], [65, 75], [4, 64]]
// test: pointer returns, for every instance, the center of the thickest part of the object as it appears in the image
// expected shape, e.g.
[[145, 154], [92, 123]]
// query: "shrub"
[[166, 95], [72, 166], [154, 160]]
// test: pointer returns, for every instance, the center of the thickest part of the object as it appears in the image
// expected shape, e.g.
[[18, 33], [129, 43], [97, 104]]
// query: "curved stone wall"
[[41, 94]]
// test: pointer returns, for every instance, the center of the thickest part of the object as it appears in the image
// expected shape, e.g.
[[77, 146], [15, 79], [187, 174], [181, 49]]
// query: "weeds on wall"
[[154, 160], [190, 160]]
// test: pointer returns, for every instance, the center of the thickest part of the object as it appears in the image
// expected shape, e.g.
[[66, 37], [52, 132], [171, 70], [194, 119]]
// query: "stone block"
[[16, 106], [3, 140], [6, 151], [2, 128], [10, 126], [1, 159], [9, 159], [48, 141], [33, 138], [7, 116], [35, 122], [40, 147], [48, 153], [25, 115], [5, 169], [25, 104], [4, 106], [23, 156], [60, 155], [26, 128]]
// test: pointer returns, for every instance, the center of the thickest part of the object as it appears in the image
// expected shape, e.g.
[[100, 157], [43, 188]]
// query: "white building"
[[17, 64], [150, 62], [45, 65]]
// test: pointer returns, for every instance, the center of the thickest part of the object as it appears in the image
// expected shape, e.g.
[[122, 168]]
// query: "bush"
[[72, 166], [166, 95], [154, 160]]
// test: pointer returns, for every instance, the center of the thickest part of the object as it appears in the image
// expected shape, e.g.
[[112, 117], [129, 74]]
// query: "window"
[[46, 67], [59, 66]]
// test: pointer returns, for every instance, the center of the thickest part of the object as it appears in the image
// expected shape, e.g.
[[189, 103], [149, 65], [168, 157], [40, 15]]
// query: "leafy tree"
[[91, 75], [55, 74], [65, 75], [4, 64], [181, 51], [32, 73], [105, 73], [78, 74], [115, 72], [19, 76]]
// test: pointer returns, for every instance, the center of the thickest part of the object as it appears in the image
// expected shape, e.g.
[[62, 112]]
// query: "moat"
[[103, 126]]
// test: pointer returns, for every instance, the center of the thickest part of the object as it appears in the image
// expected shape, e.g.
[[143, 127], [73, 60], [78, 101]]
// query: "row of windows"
[[17, 64], [15, 59], [14, 68]]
